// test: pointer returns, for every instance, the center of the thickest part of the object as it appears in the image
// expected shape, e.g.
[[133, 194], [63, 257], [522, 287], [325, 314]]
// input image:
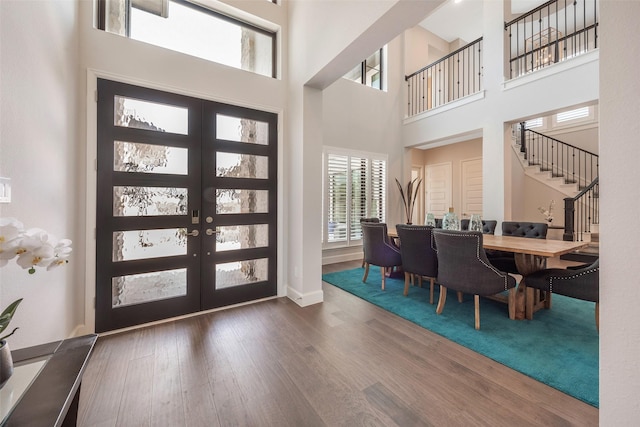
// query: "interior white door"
[[471, 187], [438, 186]]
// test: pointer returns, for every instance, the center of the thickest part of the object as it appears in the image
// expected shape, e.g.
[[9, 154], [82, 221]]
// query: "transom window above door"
[[192, 29]]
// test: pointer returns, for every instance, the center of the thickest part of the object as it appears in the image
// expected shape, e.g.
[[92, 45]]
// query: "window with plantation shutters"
[[354, 188]]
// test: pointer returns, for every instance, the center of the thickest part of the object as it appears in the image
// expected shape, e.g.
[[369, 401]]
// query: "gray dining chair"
[[582, 283], [419, 258], [488, 226], [463, 266], [378, 250], [372, 219]]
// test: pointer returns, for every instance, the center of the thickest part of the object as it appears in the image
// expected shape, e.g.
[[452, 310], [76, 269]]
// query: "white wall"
[[39, 151], [361, 118], [619, 249], [311, 45]]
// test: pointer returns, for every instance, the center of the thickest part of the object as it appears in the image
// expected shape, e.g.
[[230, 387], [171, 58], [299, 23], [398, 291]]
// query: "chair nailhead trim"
[[573, 276]]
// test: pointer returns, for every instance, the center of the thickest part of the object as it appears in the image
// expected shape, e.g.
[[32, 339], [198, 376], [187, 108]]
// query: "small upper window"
[[192, 29], [578, 113], [534, 123], [369, 72]]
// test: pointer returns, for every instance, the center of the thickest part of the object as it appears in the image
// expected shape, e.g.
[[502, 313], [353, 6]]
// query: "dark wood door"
[[186, 211]]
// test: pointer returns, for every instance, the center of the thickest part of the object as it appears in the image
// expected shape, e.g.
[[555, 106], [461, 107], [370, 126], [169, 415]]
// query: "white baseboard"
[[79, 330], [304, 300], [333, 259]]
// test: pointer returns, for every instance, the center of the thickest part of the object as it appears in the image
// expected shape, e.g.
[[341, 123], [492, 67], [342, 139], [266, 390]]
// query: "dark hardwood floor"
[[344, 362]]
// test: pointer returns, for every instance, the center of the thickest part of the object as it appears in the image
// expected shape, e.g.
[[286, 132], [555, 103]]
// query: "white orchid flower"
[[11, 231], [62, 250], [34, 247], [35, 250]]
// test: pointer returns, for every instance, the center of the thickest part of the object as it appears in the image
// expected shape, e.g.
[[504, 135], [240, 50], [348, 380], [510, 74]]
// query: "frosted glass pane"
[[235, 201], [148, 158], [135, 113], [145, 287], [143, 244], [149, 201], [236, 165], [238, 273], [242, 130], [242, 237]]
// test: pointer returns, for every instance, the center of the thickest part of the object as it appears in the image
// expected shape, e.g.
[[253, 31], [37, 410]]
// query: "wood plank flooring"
[[344, 362]]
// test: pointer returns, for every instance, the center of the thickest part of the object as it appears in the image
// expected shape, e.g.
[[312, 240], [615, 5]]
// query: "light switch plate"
[[5, 190]]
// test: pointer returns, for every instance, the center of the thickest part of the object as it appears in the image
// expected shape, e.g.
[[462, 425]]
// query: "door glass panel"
[[237, 165], [143, 244], [145, 287], [238, 273], [238, 201], [242, 237], [148, 158], [149, 201], [135, 113], [242, 130]]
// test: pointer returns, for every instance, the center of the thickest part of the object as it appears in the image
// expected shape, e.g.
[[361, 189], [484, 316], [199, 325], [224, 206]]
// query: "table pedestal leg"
[[527, 264]]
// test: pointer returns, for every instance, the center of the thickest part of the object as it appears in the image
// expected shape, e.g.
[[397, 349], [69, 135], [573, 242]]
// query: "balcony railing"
[[551, 33], [455, 76]]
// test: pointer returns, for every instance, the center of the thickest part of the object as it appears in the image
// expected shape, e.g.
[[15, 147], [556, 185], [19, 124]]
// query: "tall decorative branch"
[[409, 198]]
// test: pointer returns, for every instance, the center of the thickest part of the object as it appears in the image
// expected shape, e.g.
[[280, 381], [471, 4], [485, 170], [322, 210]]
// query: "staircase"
[[572, 172]]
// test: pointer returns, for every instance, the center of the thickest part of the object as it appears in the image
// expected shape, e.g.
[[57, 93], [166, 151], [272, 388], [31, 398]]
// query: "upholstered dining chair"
[[374, 220], [419, 257], [583, 284], [506, 261], [463, 266], [488, 226], [378, 250]]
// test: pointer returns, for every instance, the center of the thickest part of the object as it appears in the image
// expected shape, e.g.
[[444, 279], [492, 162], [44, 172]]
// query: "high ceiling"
[[461, 18]]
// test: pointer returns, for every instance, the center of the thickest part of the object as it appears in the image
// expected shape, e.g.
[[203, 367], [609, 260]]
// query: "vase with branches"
[[410, 196]]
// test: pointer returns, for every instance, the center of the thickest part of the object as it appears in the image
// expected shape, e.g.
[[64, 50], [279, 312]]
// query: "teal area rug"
[[559, 347]]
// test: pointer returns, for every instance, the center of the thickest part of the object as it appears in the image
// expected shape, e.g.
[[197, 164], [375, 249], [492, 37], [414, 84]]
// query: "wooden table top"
[[522, 245], [540, 247]]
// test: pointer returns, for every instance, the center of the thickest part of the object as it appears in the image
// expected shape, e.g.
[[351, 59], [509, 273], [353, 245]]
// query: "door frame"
[[88, 323]]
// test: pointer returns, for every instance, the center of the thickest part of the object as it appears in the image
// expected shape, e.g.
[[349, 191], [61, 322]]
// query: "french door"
[[186, 205]]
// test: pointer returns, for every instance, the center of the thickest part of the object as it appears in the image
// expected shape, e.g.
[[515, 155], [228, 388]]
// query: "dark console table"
[[52, 397]]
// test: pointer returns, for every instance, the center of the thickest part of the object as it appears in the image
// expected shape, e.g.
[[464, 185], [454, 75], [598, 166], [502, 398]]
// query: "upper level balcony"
[[552, 33]]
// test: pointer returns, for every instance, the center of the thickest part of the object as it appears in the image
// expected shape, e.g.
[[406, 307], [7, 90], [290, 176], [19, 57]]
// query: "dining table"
[[530, 256]]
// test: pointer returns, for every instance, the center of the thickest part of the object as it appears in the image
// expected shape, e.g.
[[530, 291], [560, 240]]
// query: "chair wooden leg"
[[460, 297], [407, 277], [512, 303], [363, 262], [420, 281], [476, 304], [383, 272], [442, 299], [598, 317], [432, 282], [366, 272], [547, 300]]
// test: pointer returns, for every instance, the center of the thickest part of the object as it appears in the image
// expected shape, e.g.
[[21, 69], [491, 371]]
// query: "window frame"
[[101, 25], [369, 191], [363, 71]]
